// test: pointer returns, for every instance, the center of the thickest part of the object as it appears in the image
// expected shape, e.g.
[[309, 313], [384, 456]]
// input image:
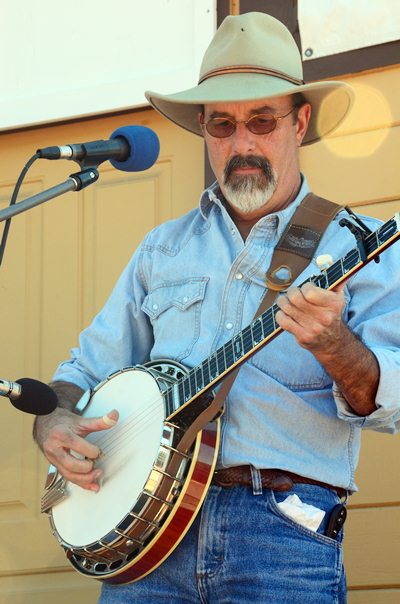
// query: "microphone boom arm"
[[75, 182]]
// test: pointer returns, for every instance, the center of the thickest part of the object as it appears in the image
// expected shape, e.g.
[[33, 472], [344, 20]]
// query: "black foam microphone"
[[30, 396], [130, 148]]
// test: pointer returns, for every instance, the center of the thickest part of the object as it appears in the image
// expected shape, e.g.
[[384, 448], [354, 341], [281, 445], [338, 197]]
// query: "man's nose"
[[243, 141]]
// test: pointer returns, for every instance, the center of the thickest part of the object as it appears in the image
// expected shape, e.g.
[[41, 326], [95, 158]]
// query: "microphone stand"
[[75, 182]]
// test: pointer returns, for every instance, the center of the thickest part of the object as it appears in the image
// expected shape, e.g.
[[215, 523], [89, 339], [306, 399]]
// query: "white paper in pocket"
[[303, 513]]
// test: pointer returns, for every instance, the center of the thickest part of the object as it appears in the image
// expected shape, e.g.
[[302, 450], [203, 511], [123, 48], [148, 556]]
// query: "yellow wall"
[[61, 262], [359, 166]]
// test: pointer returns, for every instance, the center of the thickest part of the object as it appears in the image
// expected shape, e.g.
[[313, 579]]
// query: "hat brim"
[[330, 100]]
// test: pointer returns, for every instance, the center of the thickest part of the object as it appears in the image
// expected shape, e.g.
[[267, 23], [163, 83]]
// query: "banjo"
[[159, 459]]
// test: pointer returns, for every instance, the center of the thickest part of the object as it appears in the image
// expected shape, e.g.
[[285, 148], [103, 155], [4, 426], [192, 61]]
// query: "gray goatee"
[[249, 192]]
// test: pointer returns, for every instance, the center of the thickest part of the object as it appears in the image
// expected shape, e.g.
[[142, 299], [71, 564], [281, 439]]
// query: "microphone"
[[30, 396], [130, 148]]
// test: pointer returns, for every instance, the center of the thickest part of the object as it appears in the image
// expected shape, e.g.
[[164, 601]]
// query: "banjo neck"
[[202, 378]]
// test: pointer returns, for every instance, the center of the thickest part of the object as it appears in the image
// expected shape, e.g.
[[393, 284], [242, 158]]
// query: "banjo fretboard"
[[253, 337]]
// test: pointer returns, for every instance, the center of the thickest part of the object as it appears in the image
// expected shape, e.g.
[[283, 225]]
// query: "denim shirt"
[[193, 283]]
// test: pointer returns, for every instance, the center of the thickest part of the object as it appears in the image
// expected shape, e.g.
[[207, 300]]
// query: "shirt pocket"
[[290, 365], [174, 309]]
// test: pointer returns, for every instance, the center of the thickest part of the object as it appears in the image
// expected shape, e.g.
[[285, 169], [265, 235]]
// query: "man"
[[296, 409]]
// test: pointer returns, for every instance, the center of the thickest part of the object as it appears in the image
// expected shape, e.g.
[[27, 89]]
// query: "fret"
[[240, 335], [237, 347], [330, 272], [199, 378], [181, 392], [268, 322], [220, 360], [213, 367], [170, 401], [167, 402], [372, 242], [322, 280], [316, 280], [393, 225], [206, 372], [229, 353], [348, 262], [333, 273], [274, 310], [246, 339], [325, 280], [186, 386], [377, 241], [192, 381], [382, 234], [177, 400], [226, 363], [257, 331], [386, 231], [193, 372]]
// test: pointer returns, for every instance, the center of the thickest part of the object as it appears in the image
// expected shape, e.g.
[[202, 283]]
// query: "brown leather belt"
[[277, 480]]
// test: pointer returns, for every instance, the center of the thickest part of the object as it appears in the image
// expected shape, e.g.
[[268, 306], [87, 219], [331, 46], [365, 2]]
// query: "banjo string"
[[131, 425]]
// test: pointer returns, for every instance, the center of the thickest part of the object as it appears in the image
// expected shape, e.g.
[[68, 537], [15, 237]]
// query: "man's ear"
[[303, 119]]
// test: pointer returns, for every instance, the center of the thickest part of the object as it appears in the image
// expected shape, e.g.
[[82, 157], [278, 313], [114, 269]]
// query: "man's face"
[[257, 173]]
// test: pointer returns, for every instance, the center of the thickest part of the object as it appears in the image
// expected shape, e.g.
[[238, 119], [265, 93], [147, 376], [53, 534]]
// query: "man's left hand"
[[313, 316]]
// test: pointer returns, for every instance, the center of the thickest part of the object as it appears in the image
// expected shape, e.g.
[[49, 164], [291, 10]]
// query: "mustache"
[[248, 161]]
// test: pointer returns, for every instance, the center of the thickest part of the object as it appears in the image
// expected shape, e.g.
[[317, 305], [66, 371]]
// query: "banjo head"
[[128, 453]]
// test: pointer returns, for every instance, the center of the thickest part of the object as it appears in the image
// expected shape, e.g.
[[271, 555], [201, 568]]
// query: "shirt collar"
[[213, 196]]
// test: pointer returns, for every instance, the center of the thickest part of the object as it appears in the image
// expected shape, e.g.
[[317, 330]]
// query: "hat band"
[[250, 69]]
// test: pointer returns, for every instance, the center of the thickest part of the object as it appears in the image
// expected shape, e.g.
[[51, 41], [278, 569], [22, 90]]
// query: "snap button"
[[185, 299], [229, 325], [155, 306], [239, 276]]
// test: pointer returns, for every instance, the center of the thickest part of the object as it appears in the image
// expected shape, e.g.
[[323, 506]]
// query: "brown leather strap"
[[314, 213], [300, 240]]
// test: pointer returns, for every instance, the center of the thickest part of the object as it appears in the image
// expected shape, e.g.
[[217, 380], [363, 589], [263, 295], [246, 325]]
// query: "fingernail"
[[95, 488], [107, 420]]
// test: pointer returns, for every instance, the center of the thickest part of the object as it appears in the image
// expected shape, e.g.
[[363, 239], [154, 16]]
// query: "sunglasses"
[[260, 123]]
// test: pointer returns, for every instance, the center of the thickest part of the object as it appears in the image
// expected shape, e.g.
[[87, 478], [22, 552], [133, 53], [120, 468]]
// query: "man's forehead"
[[249, 107]]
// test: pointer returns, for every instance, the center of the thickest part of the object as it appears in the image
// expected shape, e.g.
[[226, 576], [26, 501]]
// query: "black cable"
[[12, 202]]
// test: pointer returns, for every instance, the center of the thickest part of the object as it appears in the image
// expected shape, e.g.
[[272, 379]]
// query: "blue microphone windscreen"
[[144, 148]]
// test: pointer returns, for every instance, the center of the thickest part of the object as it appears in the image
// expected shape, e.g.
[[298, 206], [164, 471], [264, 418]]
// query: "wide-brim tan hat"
[[252, 57]]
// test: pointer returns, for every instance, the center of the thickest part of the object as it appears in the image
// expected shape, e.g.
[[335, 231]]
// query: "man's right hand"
[[61, 435]]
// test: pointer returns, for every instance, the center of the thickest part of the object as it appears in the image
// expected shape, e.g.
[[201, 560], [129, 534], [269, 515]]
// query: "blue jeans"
[[242, 549]]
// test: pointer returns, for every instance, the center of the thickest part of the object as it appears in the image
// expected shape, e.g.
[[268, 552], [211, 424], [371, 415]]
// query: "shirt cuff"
[[386, 418]]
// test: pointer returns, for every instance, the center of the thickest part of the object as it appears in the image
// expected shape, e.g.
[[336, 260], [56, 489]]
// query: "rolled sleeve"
[[373, 314], [386, 418]]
